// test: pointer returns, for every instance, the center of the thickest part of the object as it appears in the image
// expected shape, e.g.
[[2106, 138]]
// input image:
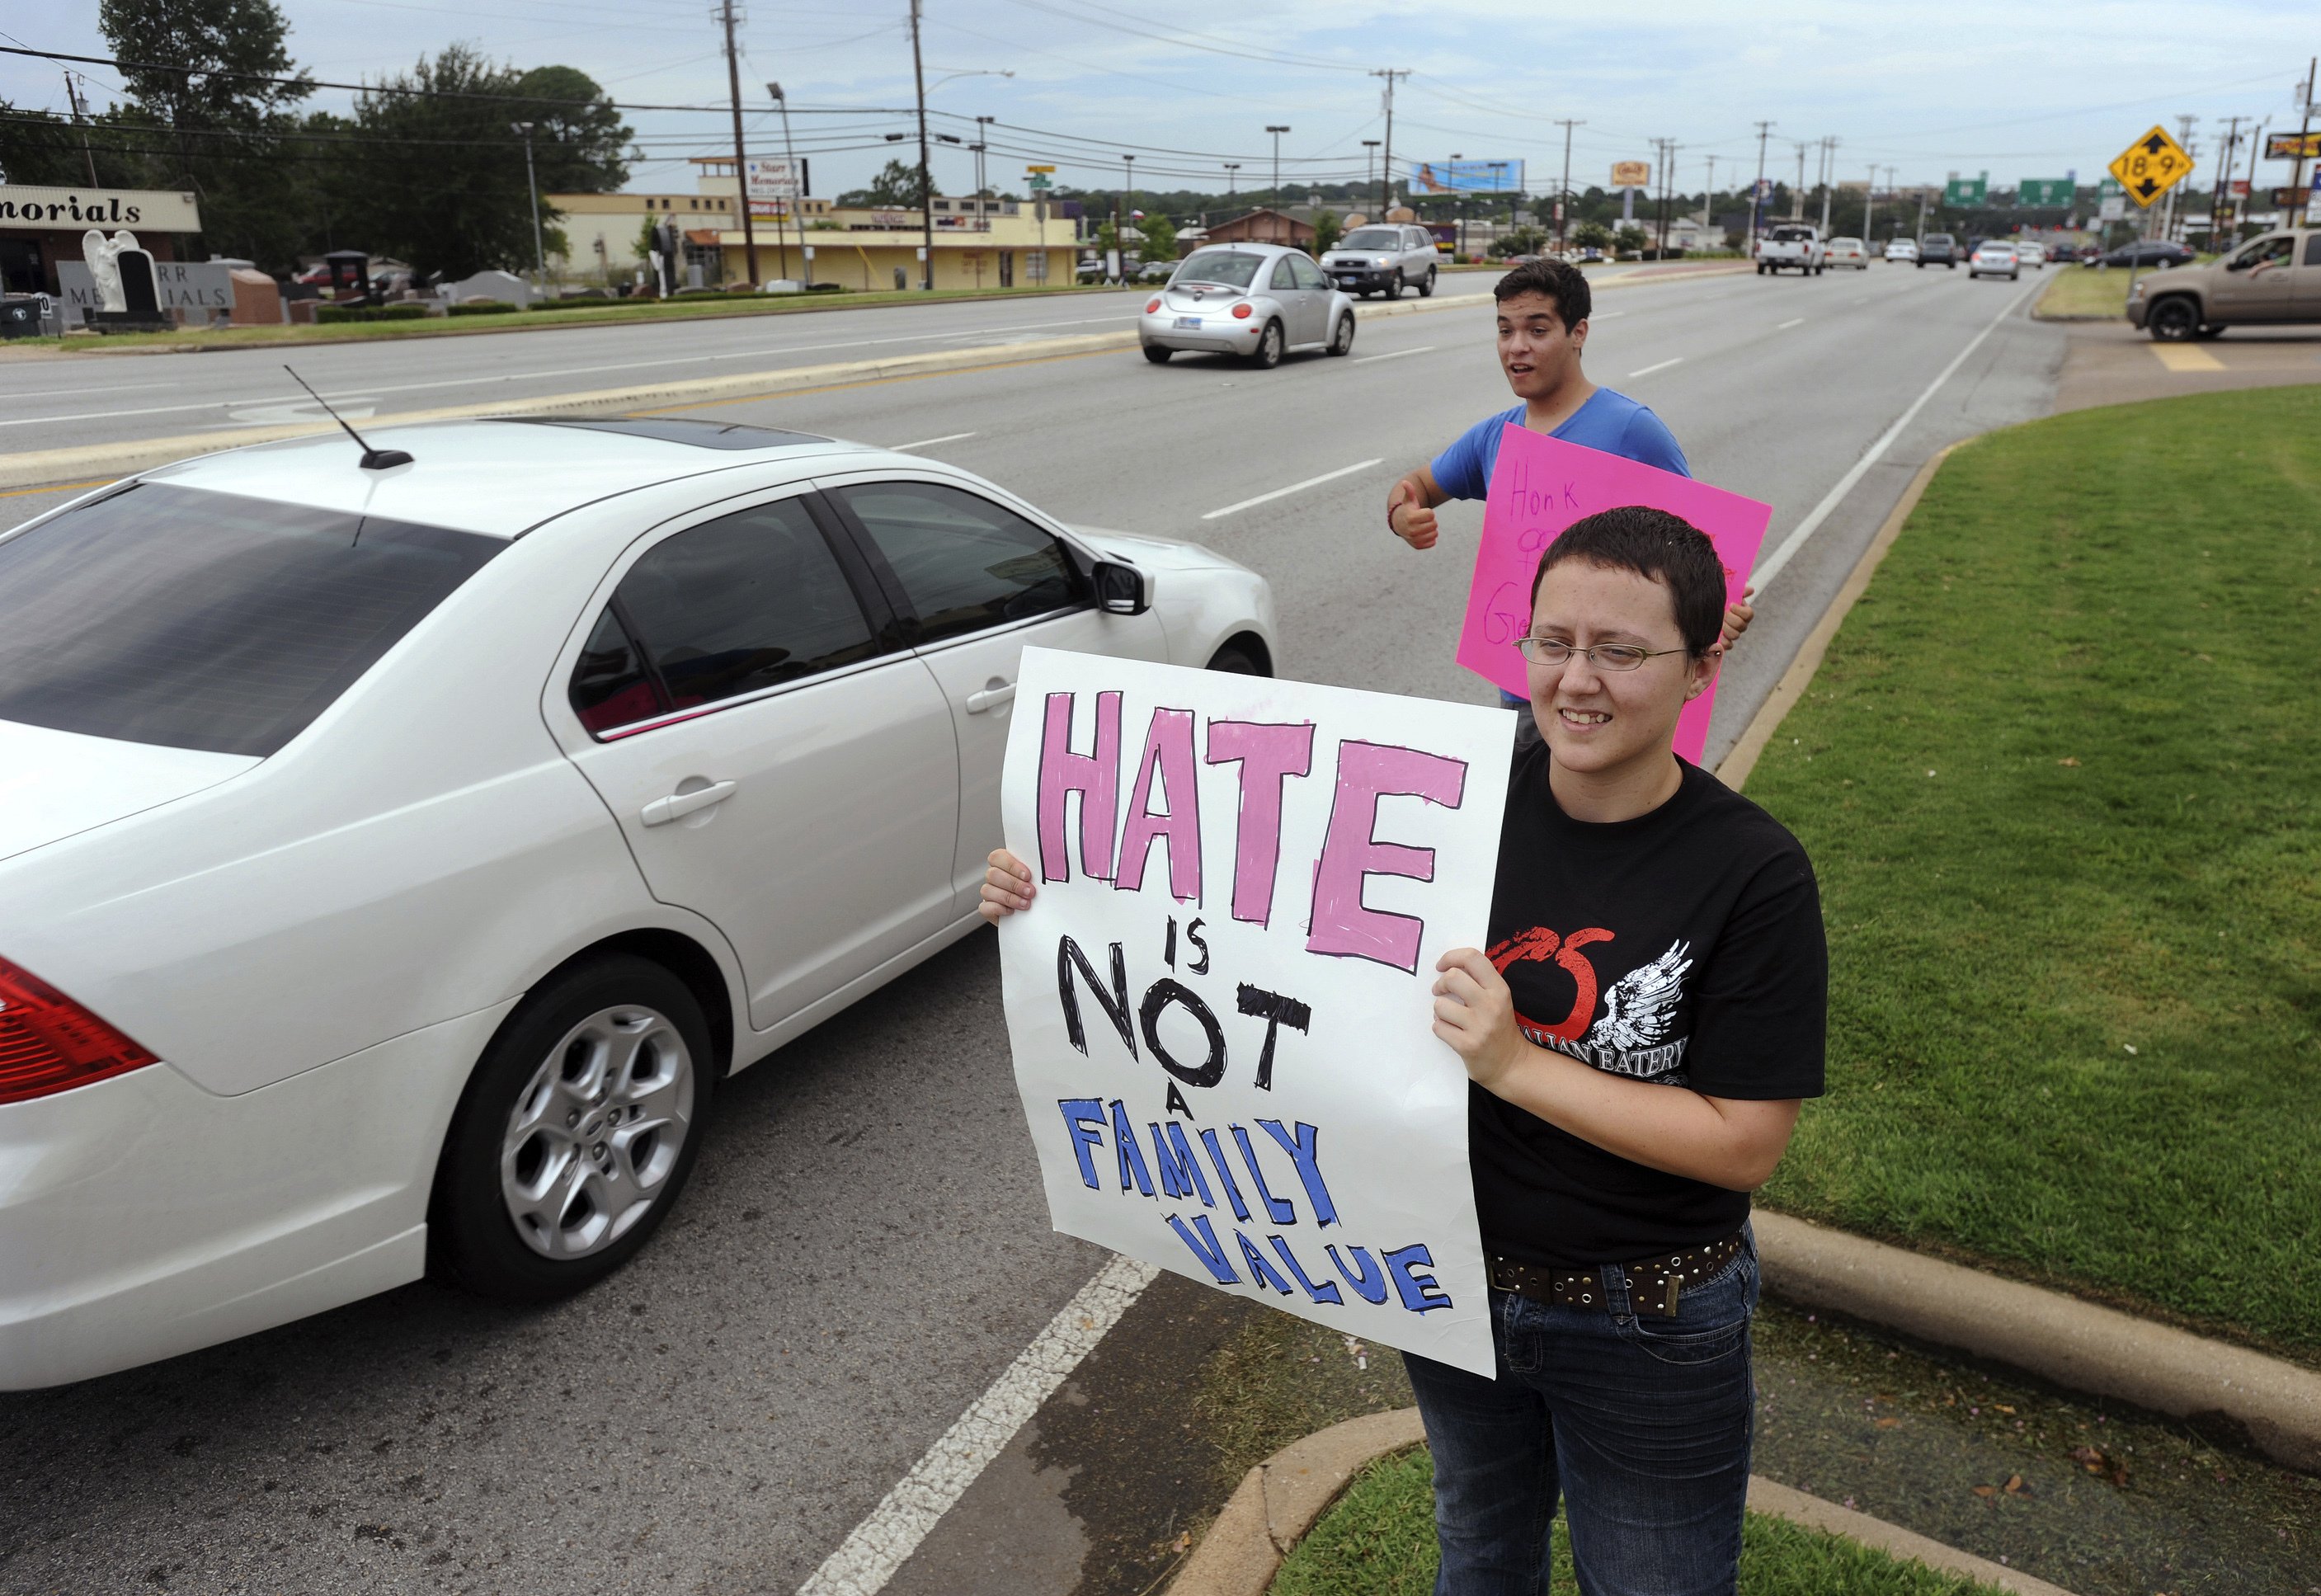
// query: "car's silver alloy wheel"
[[594, 1133]]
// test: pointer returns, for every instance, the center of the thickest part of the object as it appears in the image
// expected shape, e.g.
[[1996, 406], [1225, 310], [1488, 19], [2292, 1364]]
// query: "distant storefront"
[[41, 227]]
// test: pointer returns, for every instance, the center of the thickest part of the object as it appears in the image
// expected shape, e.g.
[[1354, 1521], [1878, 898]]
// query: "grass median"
[[2083, 294], [1378, 1540], [2059, 780]]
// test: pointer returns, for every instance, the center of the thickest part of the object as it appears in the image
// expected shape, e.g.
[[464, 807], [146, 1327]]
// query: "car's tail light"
[[1153, 304], [51, 1043], [1240, 311]]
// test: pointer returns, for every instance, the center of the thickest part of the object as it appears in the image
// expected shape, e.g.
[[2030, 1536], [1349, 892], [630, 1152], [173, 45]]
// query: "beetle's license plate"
[[1193, 321]]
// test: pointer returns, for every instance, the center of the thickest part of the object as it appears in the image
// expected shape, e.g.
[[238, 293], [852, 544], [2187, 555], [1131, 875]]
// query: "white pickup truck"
[[1792, 243]]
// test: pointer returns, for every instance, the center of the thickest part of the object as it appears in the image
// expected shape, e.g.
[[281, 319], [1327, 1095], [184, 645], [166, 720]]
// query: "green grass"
[[2081, 294], [2061, 780], [648, 310], [1378, 1540]]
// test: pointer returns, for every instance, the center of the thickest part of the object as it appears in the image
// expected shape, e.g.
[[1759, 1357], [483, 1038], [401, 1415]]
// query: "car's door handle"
[[678, 805], [990, 697]]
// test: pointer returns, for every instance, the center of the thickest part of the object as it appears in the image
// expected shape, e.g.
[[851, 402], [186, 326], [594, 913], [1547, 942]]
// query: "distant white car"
[[2031, 252], [1383, 258], [1994, 258], [1849, 252], [1793, 244], [1257, 301], [395, 857], [1902, 249]]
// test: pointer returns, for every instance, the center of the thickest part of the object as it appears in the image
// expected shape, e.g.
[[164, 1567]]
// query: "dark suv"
[[1938, 249]]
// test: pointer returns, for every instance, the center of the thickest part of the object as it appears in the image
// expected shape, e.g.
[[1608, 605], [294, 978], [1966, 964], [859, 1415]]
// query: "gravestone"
[[140, 310]]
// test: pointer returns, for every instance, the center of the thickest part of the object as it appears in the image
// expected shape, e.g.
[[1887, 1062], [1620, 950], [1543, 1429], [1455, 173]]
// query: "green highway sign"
[[2110, 189], [2045, 191], [1966, 191]]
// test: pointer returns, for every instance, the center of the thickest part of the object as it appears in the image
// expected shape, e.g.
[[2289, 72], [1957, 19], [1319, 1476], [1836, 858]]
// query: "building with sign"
[[41, 227]]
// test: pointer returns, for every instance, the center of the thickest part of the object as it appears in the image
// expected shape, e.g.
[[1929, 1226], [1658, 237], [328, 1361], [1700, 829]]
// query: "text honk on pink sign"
[[1543, 485]]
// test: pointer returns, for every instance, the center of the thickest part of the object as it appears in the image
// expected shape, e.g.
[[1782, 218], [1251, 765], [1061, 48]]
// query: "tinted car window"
[[964, 562], [1372, 238], [748, 601], [1233, 268], [612, 685], [204, 620], [2313, 248]]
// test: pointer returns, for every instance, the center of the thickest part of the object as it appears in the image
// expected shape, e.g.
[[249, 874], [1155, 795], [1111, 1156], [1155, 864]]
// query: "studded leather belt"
[[1654, 1283]]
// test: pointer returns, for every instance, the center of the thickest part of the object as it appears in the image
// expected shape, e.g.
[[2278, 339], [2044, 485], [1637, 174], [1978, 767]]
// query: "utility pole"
[[1798, 195], [1370, 163], [1664, 151], [73, 96], [2175, 212], [1868, 198], [1829, 173], [797, 181], [1756, 192], [1231, 167], [2224, 186], [2304, 129], [926, 178], [1386, 164], [539, 253], [741, 160], [1127, 194], [983, 142], [1276, 129], [1563, 195]]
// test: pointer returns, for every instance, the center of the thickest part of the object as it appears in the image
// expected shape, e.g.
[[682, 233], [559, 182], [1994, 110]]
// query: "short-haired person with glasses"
[[1641, 1032], [1544, 307]]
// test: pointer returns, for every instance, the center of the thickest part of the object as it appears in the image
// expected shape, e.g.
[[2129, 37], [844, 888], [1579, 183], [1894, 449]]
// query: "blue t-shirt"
[[1613, 422]]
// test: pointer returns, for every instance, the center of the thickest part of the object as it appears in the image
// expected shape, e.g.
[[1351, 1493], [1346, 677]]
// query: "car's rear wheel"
[[1157, 355], [2174, 319], [1268, 353], [1341, 341], [1427, 287], [578, 1132]]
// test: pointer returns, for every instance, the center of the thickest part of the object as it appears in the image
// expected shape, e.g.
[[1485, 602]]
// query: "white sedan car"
[[2031, 252], [393, 856], [1994, 258], [1848, 252]]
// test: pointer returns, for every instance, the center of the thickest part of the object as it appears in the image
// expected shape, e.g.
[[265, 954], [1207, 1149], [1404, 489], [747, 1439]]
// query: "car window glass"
[[748, 601], [964, 562], [611, 686], [2265, 249], [1284, 275], [192, 619], [2313, 248], [1370, 238], [1233, 268], [1307, 274]]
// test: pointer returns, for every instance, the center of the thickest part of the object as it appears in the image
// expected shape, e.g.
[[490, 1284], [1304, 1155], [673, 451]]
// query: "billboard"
[[1467, 177], [775, 179], [1631, 174], [2292, 146]]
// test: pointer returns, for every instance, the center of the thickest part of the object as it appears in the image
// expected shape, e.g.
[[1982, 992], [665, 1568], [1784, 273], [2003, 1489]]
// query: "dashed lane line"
[[1363, 465], [1392, 354], [931, 442], [1663, 366]]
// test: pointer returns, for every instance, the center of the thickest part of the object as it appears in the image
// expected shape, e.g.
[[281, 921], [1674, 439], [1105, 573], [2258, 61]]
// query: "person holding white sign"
[[1641, 1034]]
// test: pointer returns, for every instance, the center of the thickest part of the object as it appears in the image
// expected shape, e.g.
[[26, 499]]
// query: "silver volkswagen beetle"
[[1257, 301]]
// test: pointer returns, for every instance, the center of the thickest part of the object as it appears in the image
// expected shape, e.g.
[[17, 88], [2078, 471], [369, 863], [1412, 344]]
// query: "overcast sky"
[[2017, 89]]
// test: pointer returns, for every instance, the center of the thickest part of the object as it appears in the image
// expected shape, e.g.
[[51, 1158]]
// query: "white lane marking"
[[1296, 488], [883, 1541], [930, 443], [1393, 355], [1606, 315], [66, 392], [1764, 574], [1663, 366], [1793, 322]]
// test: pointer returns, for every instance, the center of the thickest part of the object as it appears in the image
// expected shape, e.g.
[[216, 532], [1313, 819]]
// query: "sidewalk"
[[2112, 363]]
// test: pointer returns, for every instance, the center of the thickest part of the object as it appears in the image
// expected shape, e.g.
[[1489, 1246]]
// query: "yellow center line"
[[57, 487], [795, 393]]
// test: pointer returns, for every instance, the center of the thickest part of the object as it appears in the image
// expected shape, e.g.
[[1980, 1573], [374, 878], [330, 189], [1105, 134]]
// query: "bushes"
[[578, 302], [325, 313], [479, 307]]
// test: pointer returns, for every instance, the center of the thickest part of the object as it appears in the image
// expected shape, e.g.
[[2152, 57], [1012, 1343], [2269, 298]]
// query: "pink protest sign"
[[1541, 486]]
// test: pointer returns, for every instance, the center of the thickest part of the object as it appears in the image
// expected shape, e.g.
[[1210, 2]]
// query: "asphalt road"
[[865, 1247]]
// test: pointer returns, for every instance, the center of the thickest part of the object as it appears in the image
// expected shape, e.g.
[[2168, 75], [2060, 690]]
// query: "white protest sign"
[[1220, 1000]]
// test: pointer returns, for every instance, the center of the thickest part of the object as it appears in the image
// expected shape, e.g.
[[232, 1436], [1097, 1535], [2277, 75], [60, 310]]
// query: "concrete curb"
[[35, 468], [2077, 1345], [1280, 1500]]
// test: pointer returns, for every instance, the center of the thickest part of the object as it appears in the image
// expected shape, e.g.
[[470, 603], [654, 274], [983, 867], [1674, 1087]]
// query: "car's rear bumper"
[[1217, 335], [142, 1216], [2137, 309]]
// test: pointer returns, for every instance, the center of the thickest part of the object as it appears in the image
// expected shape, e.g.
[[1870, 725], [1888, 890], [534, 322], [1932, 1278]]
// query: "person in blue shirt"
[[1544, 307]]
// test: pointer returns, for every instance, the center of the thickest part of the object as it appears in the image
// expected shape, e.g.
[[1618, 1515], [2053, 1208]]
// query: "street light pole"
[[1231, 167], [1458, 208], [1276, 129], [926, 178], [1563, 195], [1386, 161], [1829, 171], [1127, 199], [538, 253], [1868, 198], [1370, 163], [1757, 191], [740, 161]]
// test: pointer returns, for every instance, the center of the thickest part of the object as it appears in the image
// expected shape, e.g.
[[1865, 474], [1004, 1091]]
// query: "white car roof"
[[502, 477]]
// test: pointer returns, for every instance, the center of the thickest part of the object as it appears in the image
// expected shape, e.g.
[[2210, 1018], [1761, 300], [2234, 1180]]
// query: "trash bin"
[[21, 316]]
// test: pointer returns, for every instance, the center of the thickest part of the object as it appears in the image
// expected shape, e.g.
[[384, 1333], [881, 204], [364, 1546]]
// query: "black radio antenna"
[[373, 460]]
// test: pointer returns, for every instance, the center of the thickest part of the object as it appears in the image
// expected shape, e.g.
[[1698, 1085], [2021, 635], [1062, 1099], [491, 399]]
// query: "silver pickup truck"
[[1792, 244]]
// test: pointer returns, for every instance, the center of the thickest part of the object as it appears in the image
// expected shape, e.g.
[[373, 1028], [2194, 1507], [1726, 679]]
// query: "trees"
[[895, 188], [1159, 237], [1630, 239], [1526, 240], [1591, 235], [437, 177], [1328, 229]]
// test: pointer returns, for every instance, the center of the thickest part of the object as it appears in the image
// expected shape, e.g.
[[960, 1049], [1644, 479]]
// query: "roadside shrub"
[[579, 302], [479, 307], [825, 287], [369, 313]]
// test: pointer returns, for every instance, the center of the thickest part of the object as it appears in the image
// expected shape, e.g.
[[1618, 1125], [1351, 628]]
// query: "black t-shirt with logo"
[[1683, 947]]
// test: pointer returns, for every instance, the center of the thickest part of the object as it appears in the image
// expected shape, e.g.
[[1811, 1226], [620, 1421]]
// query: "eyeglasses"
[[1603, 656]]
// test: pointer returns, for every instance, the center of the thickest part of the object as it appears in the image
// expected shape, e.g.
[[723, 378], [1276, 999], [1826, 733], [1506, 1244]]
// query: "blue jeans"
[[1642, 1424]]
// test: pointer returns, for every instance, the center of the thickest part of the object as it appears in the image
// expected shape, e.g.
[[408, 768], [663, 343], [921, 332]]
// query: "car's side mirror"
[[1122, 589]]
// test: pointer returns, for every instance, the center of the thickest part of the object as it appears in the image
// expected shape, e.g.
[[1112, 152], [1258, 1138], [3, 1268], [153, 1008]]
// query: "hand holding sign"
[[1541, 486], [1221, 905]]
